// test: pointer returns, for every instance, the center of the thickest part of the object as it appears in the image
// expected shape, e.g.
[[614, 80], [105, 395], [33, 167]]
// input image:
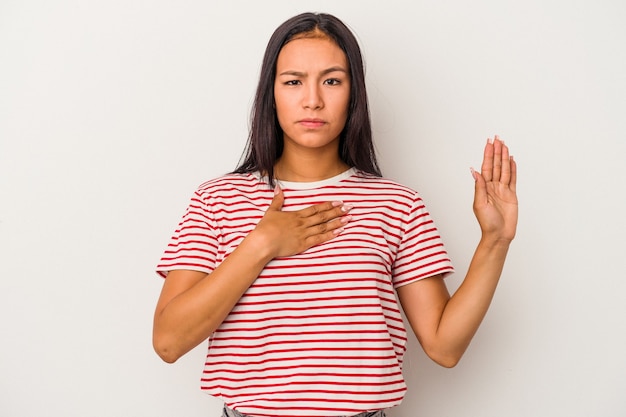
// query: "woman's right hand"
[[286, 233], [193, 304]]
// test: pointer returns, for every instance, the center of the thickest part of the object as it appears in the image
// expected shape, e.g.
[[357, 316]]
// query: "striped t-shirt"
[[319, 333]]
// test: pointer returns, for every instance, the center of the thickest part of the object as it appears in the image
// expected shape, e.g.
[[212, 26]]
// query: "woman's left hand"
[[445, 325], [495, 197]]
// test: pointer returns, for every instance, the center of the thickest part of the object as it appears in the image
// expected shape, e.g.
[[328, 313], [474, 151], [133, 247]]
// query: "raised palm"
[[495, 196]]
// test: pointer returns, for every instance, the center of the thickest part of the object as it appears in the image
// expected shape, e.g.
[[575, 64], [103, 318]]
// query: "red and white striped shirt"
[[319, 333]]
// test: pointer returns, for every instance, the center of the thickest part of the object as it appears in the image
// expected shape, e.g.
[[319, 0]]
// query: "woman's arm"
[[445, 325], [193, 304]]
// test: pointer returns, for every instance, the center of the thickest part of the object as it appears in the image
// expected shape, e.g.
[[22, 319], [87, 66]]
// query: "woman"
[[289, 265]]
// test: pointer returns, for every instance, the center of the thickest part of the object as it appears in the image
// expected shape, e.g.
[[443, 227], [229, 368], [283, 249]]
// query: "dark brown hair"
[[265, 141]]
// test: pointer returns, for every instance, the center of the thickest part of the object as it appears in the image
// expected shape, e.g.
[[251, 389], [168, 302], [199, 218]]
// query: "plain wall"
[[112, 112]]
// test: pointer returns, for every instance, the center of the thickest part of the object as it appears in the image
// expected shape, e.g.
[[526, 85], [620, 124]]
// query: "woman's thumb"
[[277, 201], [480, 188]]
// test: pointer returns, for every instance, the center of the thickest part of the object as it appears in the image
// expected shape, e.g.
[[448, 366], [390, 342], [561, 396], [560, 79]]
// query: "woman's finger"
[[326, 231], [497, 159], [486, 168], [480, 189], [324, 212], [278, 200], [505, 175], [513, 181], [329, 226], [319, 208]]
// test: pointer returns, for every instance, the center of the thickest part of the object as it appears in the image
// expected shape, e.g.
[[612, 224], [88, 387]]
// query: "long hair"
[[265, 140]]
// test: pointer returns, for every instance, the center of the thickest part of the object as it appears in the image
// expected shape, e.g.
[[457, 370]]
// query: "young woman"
[[290, 265]]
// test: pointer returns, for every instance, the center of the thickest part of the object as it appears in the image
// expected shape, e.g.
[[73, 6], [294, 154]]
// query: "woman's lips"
[[312, 123]]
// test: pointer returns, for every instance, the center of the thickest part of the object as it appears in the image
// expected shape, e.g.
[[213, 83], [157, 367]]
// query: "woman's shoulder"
[[227, 183]]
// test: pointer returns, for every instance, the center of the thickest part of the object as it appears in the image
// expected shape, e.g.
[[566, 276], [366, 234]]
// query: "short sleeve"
[[194, 244], [421, 253]]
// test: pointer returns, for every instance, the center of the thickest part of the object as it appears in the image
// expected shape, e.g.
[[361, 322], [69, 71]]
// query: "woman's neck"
[[311, 170]]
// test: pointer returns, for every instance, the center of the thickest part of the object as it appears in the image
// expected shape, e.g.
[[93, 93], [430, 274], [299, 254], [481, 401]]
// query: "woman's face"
[[312, 93]]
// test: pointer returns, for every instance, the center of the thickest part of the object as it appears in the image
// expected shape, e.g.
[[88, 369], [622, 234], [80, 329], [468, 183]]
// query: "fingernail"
[[346, 219], [473, 172], [337, 231], [276, 189], [337, 203], [347, 207]]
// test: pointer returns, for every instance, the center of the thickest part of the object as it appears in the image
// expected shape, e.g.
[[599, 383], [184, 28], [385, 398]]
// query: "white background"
[[112, 112]]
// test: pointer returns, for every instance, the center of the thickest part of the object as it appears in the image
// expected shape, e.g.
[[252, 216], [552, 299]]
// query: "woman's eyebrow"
[[334, 69], [324, 72]]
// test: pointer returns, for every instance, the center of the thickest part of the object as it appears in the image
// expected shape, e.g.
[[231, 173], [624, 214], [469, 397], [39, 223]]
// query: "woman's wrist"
[[258, 247], [494, 241]]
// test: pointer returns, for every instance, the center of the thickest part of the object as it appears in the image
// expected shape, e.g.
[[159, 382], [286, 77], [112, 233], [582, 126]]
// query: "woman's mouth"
[[312, 123]]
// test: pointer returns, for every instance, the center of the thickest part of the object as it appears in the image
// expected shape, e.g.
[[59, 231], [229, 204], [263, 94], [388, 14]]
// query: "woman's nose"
[[313, 97]]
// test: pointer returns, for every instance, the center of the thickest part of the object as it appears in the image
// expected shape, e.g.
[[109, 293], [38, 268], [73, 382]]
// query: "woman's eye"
[[332, 81], [292, 82]]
